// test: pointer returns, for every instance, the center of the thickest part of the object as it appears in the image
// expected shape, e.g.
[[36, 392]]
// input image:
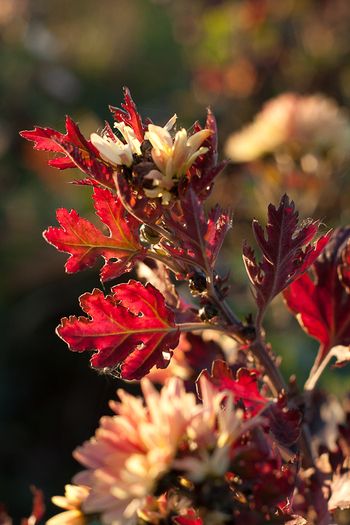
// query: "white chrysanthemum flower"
[[114, 150], [172, 156]]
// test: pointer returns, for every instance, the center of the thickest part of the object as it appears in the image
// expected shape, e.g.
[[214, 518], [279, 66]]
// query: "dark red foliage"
[[199, 239], [322, 304], [287, 252], [38, 510], [205, 168]]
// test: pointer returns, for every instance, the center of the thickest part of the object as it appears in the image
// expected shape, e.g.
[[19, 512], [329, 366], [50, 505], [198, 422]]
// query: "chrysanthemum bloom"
[[113, 150], [173, 157], [302, 124], [132, 450], [212, 433], [74, 497]]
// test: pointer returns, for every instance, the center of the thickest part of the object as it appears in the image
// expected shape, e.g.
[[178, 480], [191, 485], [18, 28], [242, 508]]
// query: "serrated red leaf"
[[204, 169], [283, 422], [78, 152], [244, 388], [133, 328], [322, 305], [130, 116], [200, 239], [287, 252], [86, 243]]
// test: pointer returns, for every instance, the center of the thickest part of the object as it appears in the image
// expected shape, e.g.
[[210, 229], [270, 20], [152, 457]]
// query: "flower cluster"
[[170, 441], [172, 155]]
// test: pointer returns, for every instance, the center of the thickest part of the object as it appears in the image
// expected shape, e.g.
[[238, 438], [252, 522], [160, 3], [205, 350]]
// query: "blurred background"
[[63, 57]]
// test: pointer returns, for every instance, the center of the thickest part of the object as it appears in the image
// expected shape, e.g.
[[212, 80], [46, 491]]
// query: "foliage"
[[240, 451]]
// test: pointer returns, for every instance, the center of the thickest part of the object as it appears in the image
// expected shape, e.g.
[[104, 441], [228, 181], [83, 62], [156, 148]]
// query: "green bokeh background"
[[178, 56]]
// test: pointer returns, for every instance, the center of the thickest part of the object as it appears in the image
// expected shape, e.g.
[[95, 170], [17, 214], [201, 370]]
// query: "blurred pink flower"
[[303, 125], [132, 450]]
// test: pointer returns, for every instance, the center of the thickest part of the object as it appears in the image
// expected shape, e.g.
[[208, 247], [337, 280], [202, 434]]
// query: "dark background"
[[74, 57]]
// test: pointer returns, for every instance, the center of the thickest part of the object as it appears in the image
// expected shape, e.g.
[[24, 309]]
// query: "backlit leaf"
[[78, 152], [322, 304], [287, 252], [130, 116], [133, 329], [86, 243], [283, 422], [200, 239], [205, 168]]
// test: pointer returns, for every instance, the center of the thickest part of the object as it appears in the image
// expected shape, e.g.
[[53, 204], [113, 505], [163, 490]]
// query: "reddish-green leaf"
[[200, 240], [86, 243], [78, 152], [133, 328], [287, 252], [322, 305]]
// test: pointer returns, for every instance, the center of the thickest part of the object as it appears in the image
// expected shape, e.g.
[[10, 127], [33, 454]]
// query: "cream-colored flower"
[[114, 150], [133, 449], [74, 497], [172, 156], [302, 124]]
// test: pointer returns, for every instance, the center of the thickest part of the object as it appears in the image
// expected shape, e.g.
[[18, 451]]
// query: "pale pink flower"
[[212, 432], [133, 449], [307, 126], [74, 497]]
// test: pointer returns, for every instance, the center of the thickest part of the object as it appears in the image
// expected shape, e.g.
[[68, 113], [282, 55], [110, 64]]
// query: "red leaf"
[[283, 423], [78, 152], [38, 510], [244, 388], [322, 305], [287, 252], [200, 239], [190, 518], [204, 169], [86, 243], [132, 328], [130, 116]]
